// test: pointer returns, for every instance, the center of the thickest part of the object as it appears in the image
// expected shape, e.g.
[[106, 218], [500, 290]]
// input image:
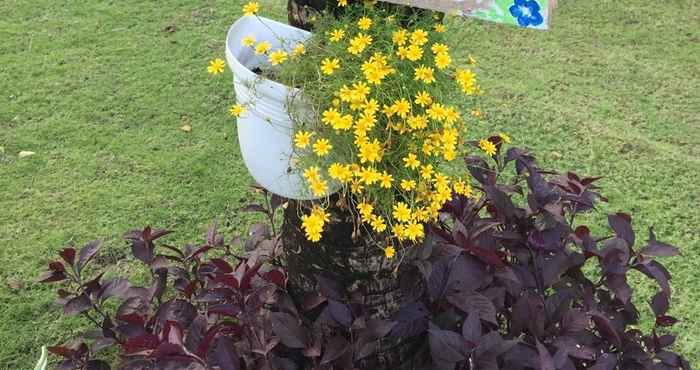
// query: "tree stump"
[[355, 259], [357, 262]]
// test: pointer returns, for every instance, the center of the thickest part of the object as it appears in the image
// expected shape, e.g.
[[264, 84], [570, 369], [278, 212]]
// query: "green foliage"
[[99, 89]]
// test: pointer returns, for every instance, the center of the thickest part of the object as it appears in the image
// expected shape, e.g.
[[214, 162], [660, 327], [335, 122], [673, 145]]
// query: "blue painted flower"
[[527, 12]]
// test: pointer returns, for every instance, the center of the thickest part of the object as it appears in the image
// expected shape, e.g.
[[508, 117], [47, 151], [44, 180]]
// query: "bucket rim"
[[241, 70]]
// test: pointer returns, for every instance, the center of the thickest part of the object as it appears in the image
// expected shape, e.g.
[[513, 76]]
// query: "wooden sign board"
[[524, 13]]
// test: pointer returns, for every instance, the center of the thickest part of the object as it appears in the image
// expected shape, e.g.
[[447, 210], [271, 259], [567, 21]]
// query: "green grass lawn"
[[100, 89]]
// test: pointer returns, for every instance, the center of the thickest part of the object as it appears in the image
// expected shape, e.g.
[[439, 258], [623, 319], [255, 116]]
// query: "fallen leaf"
[[186, 128], [25, 153], [15, 284]]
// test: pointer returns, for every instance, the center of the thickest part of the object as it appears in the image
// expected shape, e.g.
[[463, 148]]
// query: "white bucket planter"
[[265, 131]]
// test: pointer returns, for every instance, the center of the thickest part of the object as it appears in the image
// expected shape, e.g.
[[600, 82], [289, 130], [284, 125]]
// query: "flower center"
[[525, 11]]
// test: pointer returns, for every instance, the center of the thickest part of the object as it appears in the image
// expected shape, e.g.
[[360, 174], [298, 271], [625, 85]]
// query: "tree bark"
[[354, 259]]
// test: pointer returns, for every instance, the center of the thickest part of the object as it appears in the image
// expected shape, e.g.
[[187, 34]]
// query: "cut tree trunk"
[[353, 257]]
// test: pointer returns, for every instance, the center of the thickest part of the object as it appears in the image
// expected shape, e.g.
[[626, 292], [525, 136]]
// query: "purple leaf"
[[657, 248], [51, 276], [312, 300], [473, 302], [96, 365], [480, 170], [255, 208], [87, 252], [176, 310], [329, 287], [607, 331], [213, 238], [117, 287], [471, 328], [446, 346], [659, 304], [411, 320], [223, 266], [617, 283], [276, 277], [335, 348], [575, 321], [666, 321], [545, 358], [68, 255], [607, 361], [621, 224], [340, 312], [377, 328], [225, 309], [438, 279], [287, 328], [77, 305], [225, 354], [656, 271], [61, 351]]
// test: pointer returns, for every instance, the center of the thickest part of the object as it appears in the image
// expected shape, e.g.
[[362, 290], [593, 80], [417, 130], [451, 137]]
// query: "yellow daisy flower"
[[505, 138], [402, 107], [399, 37], [248, 41], [364, 23], [312, 174], [389, 252], [322, 147], [216, 66], [337, 35], [319, 188], [366, 210], [408, 185], [488, 147], [262, 47], [377, 223], [251, 8], [359, 43], [426, 172], [438, 48], [440, 28], [443, 60], [277, 57], [414, 231], [236, 110], [414, 53], [424, 74], [328, 66], [386, 180], [302, 139], [419, 37], [411, 161], [298, 50], [424, 99], [401, 212]]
